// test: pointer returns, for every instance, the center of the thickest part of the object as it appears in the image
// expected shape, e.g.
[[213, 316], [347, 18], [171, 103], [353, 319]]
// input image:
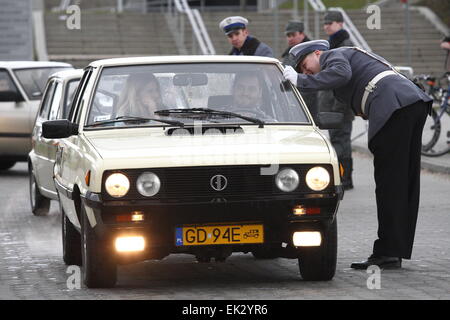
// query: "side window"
[[74, 114], [54, 106], [71, 89], [47, 101], [6, 83]]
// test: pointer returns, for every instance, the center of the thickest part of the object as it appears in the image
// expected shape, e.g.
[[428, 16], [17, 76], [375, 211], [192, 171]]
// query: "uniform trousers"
[[341, 140], [397, 151]]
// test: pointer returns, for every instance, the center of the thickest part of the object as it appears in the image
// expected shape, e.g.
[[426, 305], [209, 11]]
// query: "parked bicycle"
[[439, 122]]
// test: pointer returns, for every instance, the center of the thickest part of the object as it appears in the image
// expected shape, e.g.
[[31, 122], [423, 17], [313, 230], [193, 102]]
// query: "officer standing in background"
[[340, 138], [243, 44], [295, 35], [396, 109]]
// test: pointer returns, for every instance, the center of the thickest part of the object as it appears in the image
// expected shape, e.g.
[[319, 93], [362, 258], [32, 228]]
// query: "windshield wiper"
[[207, 111], [135, 119]]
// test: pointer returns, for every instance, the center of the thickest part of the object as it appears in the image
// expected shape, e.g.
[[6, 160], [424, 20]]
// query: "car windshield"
[[244, 93], [33, 80]]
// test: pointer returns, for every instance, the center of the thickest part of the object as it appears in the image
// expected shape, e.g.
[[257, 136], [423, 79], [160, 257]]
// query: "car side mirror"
[[58, 129], [9, 96], [330, 120]]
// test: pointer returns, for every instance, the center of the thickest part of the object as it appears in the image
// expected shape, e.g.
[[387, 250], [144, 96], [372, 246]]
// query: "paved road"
[[31, 266]]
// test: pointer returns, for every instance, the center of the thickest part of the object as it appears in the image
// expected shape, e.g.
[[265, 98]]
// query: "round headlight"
[[148, 184], [287, 180], [117, 185], [317, 178]]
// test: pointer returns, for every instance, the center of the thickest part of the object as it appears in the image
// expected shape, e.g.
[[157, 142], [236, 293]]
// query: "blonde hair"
[[129, 102]]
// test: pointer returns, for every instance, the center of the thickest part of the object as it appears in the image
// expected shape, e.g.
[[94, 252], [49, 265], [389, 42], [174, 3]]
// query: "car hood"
[[152, 147]]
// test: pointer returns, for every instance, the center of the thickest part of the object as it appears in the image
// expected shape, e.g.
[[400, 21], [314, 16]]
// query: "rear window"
[[33, 80]]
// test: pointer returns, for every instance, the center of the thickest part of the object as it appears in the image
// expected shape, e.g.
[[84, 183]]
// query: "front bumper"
[[161, 219]]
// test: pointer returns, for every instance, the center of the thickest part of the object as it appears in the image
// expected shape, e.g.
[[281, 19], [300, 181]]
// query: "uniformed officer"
[[295, 34], [243, 44], [396, 110], [340, 138]]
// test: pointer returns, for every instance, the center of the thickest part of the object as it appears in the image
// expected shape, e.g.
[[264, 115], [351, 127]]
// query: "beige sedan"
[[22, 84], [239, 166], [55, 104]]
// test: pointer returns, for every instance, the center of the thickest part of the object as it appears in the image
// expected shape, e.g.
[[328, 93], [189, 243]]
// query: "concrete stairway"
[[104, 35]]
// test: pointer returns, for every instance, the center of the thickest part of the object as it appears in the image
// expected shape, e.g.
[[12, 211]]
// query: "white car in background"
[[22, 84], [55, 104]]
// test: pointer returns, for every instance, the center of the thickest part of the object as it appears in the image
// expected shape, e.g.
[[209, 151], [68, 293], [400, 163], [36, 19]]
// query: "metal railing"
[[176, 11]]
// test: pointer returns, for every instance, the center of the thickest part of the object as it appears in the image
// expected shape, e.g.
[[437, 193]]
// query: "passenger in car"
[[248, 96], [141, 96]]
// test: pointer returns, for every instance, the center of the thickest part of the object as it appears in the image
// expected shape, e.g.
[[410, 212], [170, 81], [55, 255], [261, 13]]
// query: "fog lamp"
[[130, 244], [307, 239]]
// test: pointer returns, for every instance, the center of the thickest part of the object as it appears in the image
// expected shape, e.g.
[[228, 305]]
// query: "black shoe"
[[381, 261]]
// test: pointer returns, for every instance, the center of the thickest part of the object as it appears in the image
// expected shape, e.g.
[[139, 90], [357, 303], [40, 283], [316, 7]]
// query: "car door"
[[14, 123], [67, 157], [49, 146], [45, 149]]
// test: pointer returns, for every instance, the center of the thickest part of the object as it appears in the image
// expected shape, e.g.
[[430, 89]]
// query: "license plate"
[[213, 235]]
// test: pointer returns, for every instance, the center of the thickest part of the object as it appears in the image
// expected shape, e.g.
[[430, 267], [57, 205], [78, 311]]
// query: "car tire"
[[99, 268], [71, 241], [319, 263], [40, 205], [5, 164]]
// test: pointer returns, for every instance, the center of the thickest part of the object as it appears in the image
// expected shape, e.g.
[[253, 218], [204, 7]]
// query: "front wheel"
[[71, 241], [319, 263], [40, 205], [99, 267]]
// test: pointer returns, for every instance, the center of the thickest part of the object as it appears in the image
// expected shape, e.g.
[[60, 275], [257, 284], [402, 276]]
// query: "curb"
[[426, 163]]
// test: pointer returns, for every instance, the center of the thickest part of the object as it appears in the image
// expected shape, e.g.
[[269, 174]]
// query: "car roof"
[[181, 59], [68, 74], [32, 64]]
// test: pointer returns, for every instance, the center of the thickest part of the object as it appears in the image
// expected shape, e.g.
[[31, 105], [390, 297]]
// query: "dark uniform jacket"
[[287, 59], [347, 72], [253, 47], [327, 102], [309, 97]]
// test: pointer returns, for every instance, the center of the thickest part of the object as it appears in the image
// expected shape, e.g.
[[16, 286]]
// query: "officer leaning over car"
[[238, 36], [340, 138], [396, 109], [295, 34]]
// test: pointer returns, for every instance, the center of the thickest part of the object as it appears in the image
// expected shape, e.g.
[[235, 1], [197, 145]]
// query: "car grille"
[[195, 182]]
